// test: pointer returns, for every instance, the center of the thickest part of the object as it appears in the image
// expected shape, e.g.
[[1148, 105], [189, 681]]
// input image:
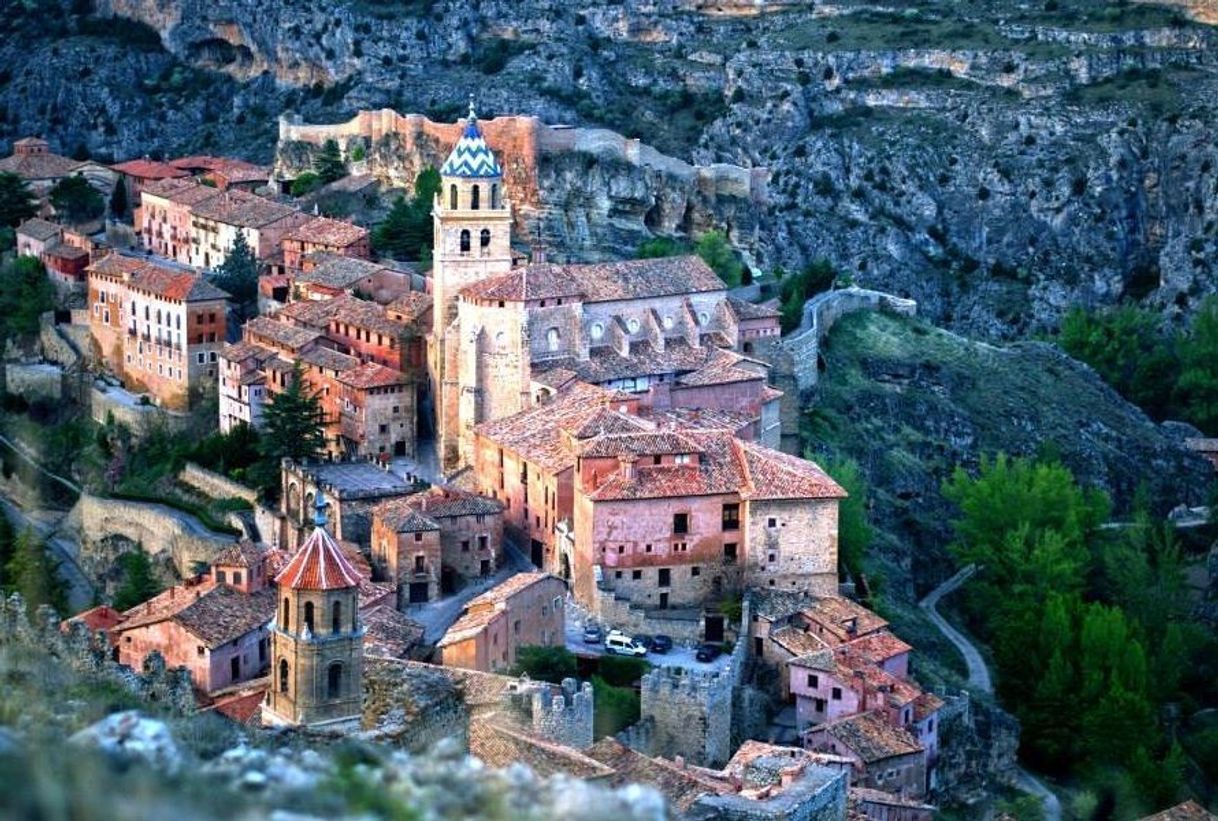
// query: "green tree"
[[305, 184], [17, 201], [796, 289], [329, 163], [1129, 348], [853, 528], [658, 247], [35, 575], [407, 232], [139, 583], [718, 254], [293, 422], [1197, 389], [76, 200], [238, 275], [27, 295], [118, 200], [616, 708], [551, 664]]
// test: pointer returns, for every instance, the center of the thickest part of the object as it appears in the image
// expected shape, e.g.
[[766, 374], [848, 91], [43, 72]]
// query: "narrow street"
[[979, 679]]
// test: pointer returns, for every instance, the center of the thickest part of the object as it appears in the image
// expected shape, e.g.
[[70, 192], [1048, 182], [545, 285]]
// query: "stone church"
[[506, 336]]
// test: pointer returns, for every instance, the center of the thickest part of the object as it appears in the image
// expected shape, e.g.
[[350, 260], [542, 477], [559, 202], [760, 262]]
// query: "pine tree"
[[118, 200], [329, 163], [1197, 390], [139, 583], [717, 253], [406, 232], [293, 422], [238, 275], [35, 575], [17, 201]]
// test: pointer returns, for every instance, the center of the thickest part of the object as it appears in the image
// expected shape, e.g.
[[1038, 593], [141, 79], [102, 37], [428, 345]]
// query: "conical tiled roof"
[[471, 157], [320, 563]]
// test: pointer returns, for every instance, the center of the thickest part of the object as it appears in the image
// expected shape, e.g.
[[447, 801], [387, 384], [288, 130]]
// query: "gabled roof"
[[39, 229], [329, 232], [471, 157], [336, 270], [159, 278], [43, 166], [372, 375], [601, 281], [242, 554], [751, 310], [291, 337], [147, 169], [319, 565], [180, 191], [871, 737], [240, 208]]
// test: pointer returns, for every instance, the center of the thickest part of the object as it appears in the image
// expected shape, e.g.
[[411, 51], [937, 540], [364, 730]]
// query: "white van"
[[620, 644]]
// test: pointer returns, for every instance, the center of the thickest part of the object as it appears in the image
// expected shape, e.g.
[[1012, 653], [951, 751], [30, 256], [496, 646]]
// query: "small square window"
[[772, 523], [617, 574], [695, 571], [636, 574], [836, 694]]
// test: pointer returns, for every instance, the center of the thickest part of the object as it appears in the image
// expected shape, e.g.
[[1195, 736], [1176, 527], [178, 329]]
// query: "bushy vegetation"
[[329, 165], [712, 247], [853, 528], [1171, 373], [407, 232], [551, 664], [17, 201], [76, 200], [1089, 629], [26, 296], [139, 584], [238, 275], [27, 568], [796, 289]]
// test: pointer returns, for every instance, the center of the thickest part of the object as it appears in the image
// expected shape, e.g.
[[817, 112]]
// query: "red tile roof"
[[871, 737], [244, 707], [180, 191], [601, 282], [320, 564], [102, 617], [45, 166], [326, 231], [240, 208], [159, 279], [147, 169], [372, 375]]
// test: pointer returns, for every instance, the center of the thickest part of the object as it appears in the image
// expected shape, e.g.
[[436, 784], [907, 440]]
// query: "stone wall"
[[796, 359], [164, 534], [689, 714], [214, 485], [33, 381], [566, 716], [107, 401]]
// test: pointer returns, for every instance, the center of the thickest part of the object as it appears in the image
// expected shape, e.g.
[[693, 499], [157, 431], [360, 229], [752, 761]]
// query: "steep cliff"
[[995, 162]]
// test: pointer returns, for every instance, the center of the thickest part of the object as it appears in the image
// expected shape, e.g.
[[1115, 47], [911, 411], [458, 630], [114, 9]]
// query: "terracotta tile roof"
[[147, 169], [196, 162], [39, 229], [501, 593], [242, 554], [237, 171], [241, 351], [337, 271], [799, 643], [1188, 811], [180, 191], [159, 278], [484, 609], [605, 364], [601, 282], [329, 359], [320, 564], [102, 617], [859, 672], [699, 419], [636, 443], [866, 795], [555, 378], [282, 334], [402, 516], [751, 310], [878, 647], [841, 619], [365, 314], [326, 231], [409, 307], [64, 251], [775, 605], [772, 474], [724, 368], [309, 313], [536, 433], [871, 738], [449, 502], [166, 603], [46, 166], [372, 375], [225, 613], [240, 208], [926, 705], [497, 745], [244, 707], [389, 633], [680, 786]]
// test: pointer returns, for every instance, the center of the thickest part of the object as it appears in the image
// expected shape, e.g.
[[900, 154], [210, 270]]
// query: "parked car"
[[708, 652], [619, 644], [645, 640], [661, 644], [593, 634]]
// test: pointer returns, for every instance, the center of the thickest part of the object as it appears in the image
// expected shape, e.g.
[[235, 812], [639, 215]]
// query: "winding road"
[[979, 679]]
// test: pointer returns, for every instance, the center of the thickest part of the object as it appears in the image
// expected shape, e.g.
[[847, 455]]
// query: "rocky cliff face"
[[997, 163]]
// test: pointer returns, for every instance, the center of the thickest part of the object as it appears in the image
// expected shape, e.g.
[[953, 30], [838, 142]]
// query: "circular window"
[[668, 323], [597, 330], [633, 325]]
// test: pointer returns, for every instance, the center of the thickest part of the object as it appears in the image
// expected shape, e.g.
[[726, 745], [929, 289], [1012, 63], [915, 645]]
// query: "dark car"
[[708, 652], [661, 644], [645, 640], [593, 634]]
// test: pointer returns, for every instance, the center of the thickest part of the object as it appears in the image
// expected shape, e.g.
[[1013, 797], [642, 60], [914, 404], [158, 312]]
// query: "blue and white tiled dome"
[[471, 157]]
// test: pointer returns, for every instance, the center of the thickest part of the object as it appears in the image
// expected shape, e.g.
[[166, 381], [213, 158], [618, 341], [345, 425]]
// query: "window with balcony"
[[731, 517]]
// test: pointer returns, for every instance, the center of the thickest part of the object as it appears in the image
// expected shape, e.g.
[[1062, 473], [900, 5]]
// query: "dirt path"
[[979, 679]]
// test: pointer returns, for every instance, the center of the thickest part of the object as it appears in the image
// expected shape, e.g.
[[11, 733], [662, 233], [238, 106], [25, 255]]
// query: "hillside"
[[910, 402], [995, 162]]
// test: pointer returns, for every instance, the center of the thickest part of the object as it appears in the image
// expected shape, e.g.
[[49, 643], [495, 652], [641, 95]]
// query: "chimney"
[[679, 761], [627, 465], [538, 256], [852, 625]]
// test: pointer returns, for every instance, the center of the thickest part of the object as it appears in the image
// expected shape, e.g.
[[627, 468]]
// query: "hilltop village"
[[513, 457]]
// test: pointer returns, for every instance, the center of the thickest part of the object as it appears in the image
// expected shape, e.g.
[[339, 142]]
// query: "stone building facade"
[[687, 714], [352, 489], [526, 610]]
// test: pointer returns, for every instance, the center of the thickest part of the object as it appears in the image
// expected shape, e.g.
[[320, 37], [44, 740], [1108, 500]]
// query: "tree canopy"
[[407, 232], [139, 583], [238, 275], [718, 254], [329, 164], [293, 422], [17, 201], [28, 294], [76, 200]]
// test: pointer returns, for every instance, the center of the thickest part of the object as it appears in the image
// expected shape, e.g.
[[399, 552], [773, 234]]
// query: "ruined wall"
[[689, 714], [215, 485], [164, 533], [565, 717], [37, 380]]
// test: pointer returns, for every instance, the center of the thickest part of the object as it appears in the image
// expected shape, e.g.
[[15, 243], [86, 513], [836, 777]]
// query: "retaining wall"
[[215, 485]]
